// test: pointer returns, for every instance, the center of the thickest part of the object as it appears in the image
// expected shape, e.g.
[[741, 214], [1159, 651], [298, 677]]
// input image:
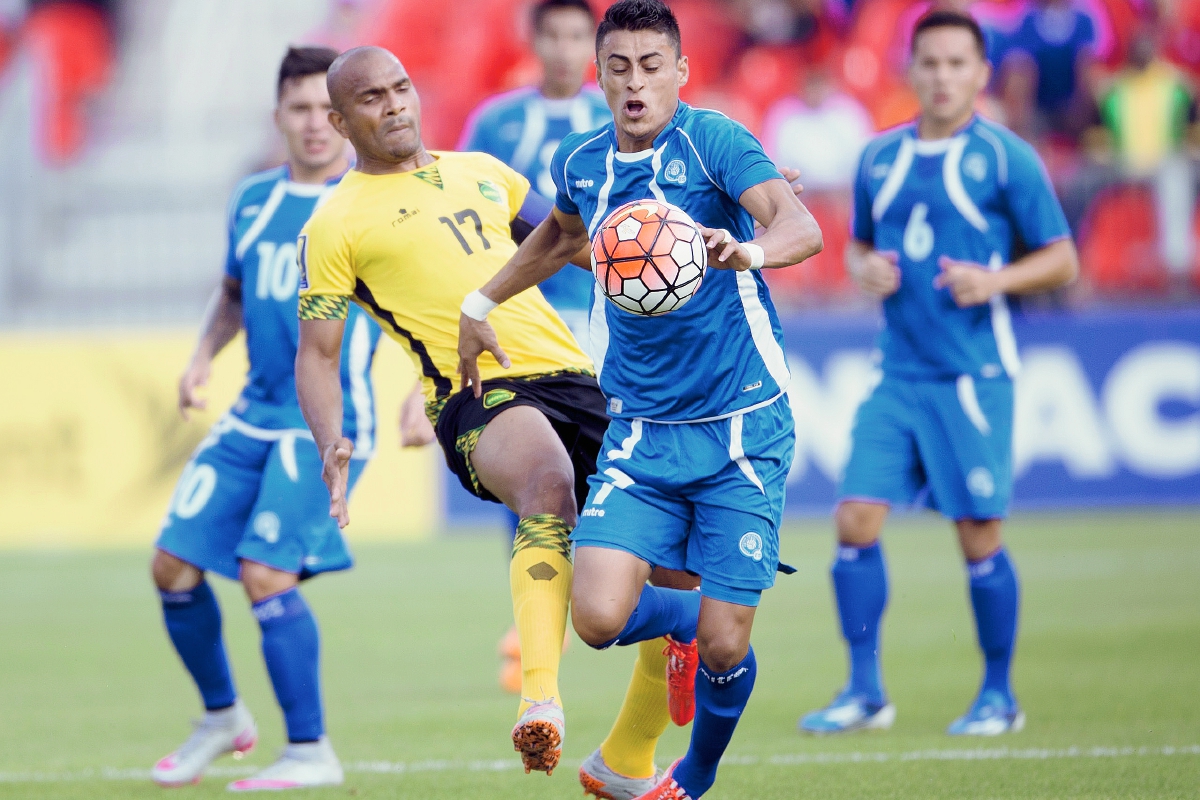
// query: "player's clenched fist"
[[876, 272], [969, 284], [335, 471], [195, 376]]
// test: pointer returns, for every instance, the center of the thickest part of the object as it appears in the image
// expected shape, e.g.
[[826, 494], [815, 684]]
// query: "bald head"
[[376, 107], [356, 67]]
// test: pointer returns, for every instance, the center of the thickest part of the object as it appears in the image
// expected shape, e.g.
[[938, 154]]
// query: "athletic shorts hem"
[[607, 544], [862, 498], [730, 594], [198, 561], [302, 572]]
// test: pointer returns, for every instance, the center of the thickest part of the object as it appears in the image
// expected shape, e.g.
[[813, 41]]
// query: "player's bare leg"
[[193, 621], [995, 599], [520, 459], [860, 589]]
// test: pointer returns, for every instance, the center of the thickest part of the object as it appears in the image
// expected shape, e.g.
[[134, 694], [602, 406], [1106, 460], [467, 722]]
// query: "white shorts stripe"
[[737, 453]]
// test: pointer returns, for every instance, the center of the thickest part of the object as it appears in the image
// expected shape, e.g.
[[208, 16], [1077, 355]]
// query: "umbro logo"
[[584, 183], [405, 215]]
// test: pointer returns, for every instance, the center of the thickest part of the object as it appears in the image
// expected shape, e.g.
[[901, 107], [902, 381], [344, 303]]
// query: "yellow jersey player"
[[407, 235]]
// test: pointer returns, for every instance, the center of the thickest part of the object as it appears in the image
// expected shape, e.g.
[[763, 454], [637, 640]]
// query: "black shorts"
[[571, 401]]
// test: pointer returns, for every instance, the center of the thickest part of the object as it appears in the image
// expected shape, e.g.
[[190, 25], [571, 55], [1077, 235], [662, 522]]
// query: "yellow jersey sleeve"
[[516, 187], [327, 277]]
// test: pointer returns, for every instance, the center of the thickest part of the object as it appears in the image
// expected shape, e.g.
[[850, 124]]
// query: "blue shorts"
[[256, 494], [951, 440], [703, 496]]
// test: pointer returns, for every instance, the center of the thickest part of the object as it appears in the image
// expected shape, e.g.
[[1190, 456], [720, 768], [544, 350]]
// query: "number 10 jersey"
[[408, 247]]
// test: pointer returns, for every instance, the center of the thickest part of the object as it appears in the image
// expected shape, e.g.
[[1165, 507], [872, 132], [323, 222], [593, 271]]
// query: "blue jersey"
[[970, 197], [265, 217], [723, 351], [523, 129]]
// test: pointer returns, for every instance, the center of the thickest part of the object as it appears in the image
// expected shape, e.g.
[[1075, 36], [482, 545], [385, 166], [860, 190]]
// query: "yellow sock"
[[629, 748], [540, 577]]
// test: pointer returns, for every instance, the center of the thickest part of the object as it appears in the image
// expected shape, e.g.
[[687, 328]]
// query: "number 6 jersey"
[[970, 197], [408, 247]]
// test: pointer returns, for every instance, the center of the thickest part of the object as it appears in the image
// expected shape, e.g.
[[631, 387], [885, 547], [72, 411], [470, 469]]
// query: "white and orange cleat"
[[301, 766], [230, 730], [600, 780], [666, 788], [682, 661], [538, 736]]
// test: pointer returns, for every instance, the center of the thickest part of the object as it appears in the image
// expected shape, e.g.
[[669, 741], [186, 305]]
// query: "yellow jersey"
[[408, 247]]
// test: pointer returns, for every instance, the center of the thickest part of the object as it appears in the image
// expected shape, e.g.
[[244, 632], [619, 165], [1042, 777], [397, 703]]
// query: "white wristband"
[[477, 306], [757, 256]]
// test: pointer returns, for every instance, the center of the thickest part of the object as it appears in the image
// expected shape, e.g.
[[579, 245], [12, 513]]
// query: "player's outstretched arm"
[[555, 241], [1044, 270], [319, 389], [222, 321], [789, 235]]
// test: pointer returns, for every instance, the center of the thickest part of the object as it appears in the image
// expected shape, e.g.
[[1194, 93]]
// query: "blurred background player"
[[939, 206], [251, 506], [522, 128], [406, 234], [702, 435]]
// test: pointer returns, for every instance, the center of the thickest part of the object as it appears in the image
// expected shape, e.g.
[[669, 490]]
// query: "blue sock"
[[995, 596], [292, 649], [661, 612], [860, 585], [193, 621], [720, 700]]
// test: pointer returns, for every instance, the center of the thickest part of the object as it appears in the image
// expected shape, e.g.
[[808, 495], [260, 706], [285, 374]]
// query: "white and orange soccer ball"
[[649, 257]]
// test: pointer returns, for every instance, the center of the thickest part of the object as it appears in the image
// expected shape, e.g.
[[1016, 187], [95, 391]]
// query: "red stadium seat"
[[1119, 247], [71, 45], [711, 40]]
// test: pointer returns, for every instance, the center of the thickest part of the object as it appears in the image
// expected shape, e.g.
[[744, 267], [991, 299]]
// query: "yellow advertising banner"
[[91, 443]]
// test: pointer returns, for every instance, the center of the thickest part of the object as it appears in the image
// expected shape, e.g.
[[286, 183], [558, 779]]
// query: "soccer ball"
[[649, 257]]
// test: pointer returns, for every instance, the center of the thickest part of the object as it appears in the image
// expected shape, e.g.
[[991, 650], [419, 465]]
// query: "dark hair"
[[541, 9], [300, 62], [640, 15], [950, 19]]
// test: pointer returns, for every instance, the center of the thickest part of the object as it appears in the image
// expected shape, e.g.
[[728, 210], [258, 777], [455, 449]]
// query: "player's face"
[[302, 116], [947, 73], [564, 45], [382, 115], [641, 75]]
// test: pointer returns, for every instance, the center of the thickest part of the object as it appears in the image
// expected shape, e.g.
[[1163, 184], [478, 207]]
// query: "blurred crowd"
[[1103, 88]]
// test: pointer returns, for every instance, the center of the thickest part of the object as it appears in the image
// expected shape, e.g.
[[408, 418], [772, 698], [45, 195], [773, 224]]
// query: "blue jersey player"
[[250, 505], [940, 207], [692, 469], [524, 127]]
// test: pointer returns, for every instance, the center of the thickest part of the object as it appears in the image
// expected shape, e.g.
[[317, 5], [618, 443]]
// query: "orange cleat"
[[538, 736], [666, 788], [682, 661]]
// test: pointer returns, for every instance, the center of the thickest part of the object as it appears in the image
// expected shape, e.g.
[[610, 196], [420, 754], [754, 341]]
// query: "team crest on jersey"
[[431, 175], [676, 172], [751, 545], [491, 191], [302, 259], [975, 166], [497, 397]]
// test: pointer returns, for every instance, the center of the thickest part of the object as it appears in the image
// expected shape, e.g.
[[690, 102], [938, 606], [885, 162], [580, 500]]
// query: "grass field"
[[1108, 670]]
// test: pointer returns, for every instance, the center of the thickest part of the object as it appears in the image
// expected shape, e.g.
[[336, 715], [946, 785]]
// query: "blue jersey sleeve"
[[1036, 213], [735, 160], [862, 224], [558, 172]]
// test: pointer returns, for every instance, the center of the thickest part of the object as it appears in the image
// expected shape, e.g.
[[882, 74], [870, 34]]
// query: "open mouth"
[[635, 108]]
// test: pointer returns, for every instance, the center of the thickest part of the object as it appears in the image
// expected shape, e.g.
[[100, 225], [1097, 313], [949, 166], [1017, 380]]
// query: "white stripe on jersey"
[[895, 179], [531, 136], [1006, 340], [567, 162], [760, 329], [969, 402], [264, 217], [699, 160], [655, 167], [598, 330], [952, 180], [1001, 153], [360, 392], [602, 199]]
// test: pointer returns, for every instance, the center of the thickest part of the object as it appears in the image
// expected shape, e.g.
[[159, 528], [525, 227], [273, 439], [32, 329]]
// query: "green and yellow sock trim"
[[544, 531]]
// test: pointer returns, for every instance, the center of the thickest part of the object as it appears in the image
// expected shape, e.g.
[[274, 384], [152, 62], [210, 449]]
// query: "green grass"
[[1108, 657]]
